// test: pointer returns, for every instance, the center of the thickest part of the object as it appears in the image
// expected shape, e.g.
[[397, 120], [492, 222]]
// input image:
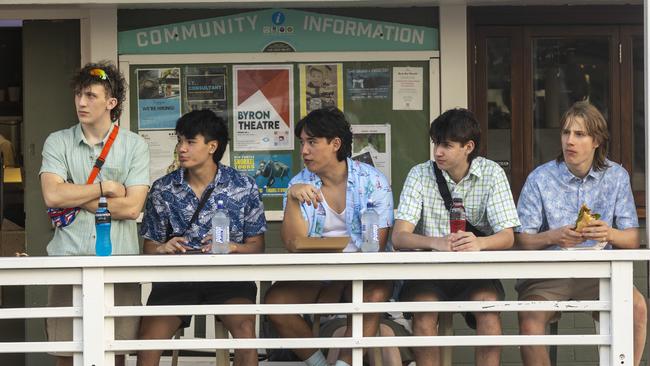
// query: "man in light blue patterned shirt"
[[337, 189], [68, 158], [489, 207], [548, 207]]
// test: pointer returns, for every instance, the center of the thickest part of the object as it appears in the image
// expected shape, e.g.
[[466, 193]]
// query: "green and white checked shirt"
[[485, 192], [67, 154]]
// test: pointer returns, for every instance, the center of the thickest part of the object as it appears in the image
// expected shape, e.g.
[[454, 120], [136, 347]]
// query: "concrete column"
[[453, 56]]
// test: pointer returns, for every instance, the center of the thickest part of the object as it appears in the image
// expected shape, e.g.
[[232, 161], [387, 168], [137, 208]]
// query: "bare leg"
[[487, 324], [156, 327], [293, 325], [241, 326], [534, 323], [640, 314], [426, 324], [373, 291]]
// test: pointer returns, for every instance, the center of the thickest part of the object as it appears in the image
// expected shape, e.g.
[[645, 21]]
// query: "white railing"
[[93, 309]]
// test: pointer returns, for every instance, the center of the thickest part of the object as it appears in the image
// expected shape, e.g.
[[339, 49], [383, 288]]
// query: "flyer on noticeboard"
[[262, 107], [271, 172], [408, 88], [206, 90], [368, 83], [159, 98], [321, 86], [371, 145]]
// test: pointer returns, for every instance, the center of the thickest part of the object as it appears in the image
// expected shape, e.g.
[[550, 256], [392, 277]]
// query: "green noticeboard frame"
[[410, 143]]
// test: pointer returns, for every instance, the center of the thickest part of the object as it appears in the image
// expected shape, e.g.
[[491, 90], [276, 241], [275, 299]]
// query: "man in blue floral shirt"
[[166, 228], [327, 199], [548, 207]]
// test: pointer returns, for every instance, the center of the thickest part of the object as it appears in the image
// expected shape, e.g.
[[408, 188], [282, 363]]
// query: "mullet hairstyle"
[[115, 86], [596, 127], [207, 124], [457, 125], [328, 123]]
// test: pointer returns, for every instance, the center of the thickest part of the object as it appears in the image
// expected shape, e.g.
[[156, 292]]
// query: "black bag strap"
[[446, 196], [202, 203]]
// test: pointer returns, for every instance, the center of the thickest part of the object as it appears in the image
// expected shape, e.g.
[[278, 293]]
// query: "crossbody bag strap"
[[202, 203], [102, 156], [442, 186], [446, 196]]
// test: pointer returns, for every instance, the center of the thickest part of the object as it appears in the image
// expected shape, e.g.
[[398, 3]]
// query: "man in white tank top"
[[337, 187]]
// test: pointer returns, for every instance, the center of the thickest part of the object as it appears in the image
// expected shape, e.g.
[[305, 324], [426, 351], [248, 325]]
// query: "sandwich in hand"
[[585, 216]]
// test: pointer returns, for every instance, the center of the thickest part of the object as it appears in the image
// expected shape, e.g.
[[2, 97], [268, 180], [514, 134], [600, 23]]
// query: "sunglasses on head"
[[101, 74]]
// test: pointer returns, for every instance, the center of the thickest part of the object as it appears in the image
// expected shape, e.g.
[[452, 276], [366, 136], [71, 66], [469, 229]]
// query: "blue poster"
[[159, 98], [271, 172]]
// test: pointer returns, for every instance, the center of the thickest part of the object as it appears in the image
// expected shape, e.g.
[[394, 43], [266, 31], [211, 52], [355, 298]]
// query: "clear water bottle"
[[103, 246], [319, 222], [370, 228], [457, 216], [220, 230]]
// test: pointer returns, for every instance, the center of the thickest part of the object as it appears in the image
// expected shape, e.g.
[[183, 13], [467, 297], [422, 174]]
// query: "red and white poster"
[[263, 107]]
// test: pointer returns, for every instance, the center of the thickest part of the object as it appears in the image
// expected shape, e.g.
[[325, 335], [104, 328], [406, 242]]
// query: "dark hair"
[[329, 123], [204, 122], [595, 126], [457, 125], [114, 85]]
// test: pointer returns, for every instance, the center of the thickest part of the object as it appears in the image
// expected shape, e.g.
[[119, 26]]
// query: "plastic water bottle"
[[319, 222], [103, 244], [220, 230], [457, 216], [370, 229]]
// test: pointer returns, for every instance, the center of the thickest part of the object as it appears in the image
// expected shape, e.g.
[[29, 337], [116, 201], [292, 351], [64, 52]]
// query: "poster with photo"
[[206, 91], [368, 83], [321, 85], [272, 172], [371, 145], [408, 88], [159, 98], [262, 107]]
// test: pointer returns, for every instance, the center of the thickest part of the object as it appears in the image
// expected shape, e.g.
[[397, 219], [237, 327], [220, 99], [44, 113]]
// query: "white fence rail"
[[93, 310]]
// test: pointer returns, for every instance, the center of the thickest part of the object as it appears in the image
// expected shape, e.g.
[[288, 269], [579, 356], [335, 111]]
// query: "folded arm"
[[58, 193], [127, 207], [405, 238], [294, 225]]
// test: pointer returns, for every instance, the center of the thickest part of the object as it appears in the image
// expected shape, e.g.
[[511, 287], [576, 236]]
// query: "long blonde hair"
[[596, 128]]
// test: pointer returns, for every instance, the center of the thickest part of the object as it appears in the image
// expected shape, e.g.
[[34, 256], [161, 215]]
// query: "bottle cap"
[[103, 202], [457, 199], [219, 204], [370, 204]]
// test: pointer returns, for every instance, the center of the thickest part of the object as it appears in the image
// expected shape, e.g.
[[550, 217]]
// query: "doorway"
[[526, 77]]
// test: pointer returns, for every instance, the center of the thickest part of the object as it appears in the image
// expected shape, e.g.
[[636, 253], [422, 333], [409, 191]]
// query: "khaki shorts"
[[563, 289], [60, 329]]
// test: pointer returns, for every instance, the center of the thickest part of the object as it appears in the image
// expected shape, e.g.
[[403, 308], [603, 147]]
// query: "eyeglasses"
[[101, 74]]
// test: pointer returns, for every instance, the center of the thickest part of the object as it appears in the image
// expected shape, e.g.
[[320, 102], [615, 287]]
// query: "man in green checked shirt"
[[489, 207]]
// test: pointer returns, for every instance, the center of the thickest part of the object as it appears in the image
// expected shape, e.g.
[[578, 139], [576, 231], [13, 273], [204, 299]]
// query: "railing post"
[[357, 322], [109, 328], [605, 294], [77, 324], [622, 350], [93, 316]]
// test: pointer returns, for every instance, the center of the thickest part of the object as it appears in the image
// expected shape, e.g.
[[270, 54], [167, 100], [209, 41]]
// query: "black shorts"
[[199, 293], [452, 290]]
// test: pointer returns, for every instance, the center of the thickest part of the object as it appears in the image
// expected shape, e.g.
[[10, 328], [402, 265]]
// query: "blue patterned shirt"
[[364, 182], [552, 196], [171, 204]]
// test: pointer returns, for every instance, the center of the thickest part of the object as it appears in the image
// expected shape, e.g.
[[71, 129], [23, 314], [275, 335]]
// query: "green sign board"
[[277, 30]]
